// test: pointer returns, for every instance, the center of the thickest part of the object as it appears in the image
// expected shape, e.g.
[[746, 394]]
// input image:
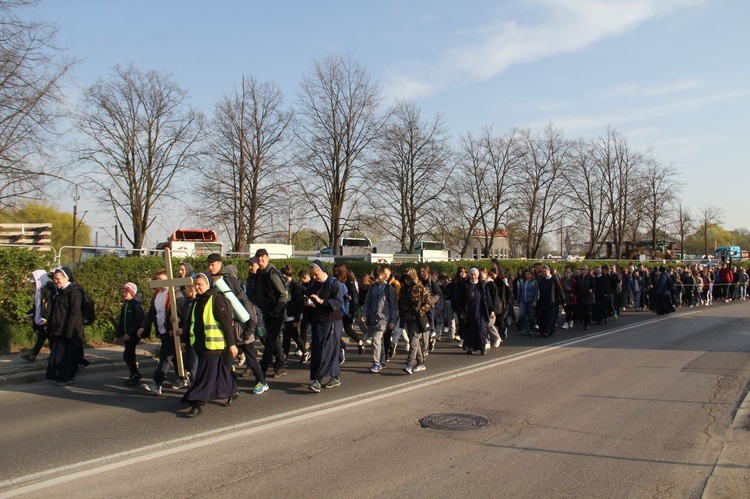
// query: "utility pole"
[[290, 226], [76, 222], [76, 197]]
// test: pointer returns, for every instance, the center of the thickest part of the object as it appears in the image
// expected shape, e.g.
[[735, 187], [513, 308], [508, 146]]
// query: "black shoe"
[[133, 379], [194, 411], [361, 347], [544, 334], [305, 357], [431, 345], [29, 357], [279, 372], [230, 400], [392, 350]]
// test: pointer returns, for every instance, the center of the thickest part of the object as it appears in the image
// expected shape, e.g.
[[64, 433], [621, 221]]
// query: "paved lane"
[[640, 408]]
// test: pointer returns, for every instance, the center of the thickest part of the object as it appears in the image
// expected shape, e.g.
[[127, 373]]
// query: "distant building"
[[475, 249]]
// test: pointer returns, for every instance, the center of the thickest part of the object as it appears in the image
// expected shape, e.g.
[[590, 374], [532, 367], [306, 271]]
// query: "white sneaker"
[[570, 325], [565, 325], [487, 346], [496, 343], [182, 383], [461, 344], [152, 387]]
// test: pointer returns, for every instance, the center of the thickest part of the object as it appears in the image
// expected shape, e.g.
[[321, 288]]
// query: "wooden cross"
[[170, 283]]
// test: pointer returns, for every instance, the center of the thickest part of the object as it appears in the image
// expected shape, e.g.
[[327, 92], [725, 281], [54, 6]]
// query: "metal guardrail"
[[70, 255], [80, 254]]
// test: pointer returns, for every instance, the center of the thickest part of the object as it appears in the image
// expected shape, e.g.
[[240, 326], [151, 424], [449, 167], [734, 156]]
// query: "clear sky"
[[671, 75]]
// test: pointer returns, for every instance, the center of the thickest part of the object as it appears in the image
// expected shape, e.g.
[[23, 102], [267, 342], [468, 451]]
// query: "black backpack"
[[88, 311]]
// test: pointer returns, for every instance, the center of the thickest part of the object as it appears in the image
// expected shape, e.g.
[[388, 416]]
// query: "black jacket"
[[294, 305], [602, 288], [65, 318], [585, 289], [270, 292], [131, 317], [551, 292]]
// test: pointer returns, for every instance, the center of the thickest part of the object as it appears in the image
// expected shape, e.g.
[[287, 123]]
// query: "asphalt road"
[[637, 408]]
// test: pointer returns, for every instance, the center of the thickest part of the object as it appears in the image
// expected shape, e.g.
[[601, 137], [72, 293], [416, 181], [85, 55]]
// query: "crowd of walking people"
[[217, 333]]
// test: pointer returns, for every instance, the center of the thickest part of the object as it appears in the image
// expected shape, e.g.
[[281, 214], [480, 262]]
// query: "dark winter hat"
[[64, 270], [206, 274], [253, 260], [214, 257], [320, 265], [261, 252]]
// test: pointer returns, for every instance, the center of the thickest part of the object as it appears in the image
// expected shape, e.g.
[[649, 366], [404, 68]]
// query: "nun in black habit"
[[323, 300]]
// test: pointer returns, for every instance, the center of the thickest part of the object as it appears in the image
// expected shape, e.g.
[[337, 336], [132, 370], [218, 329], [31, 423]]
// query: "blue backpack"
[[345, 304]]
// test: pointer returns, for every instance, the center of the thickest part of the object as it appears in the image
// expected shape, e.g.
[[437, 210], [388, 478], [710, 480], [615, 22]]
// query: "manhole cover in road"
[[454, 422]]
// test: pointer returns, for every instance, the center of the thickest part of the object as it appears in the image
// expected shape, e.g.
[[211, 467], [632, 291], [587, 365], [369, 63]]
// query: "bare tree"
[[247, 137], [140, 135], [410, 173], [708, 218], [545, 165], [466, 195], [620, 167], [31, 75], [503, 157], [660, 188], [684, 223], [636, 220], [338, 106], [585, 194]]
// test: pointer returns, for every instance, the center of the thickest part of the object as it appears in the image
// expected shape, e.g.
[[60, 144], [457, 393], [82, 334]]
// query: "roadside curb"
[[97, 364], [731, 476]]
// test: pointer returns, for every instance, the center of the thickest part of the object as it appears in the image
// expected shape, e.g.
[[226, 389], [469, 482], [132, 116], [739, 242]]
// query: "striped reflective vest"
[[214, 336]]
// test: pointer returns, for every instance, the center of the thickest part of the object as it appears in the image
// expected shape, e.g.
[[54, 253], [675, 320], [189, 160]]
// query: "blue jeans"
[[526, 309]]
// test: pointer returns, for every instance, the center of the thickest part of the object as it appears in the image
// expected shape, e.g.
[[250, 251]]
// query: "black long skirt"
[[64, 357], [324, 350], [213, 380]]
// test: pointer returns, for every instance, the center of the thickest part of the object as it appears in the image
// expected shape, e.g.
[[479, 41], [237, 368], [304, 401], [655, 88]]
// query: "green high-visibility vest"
[[214, 336]]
